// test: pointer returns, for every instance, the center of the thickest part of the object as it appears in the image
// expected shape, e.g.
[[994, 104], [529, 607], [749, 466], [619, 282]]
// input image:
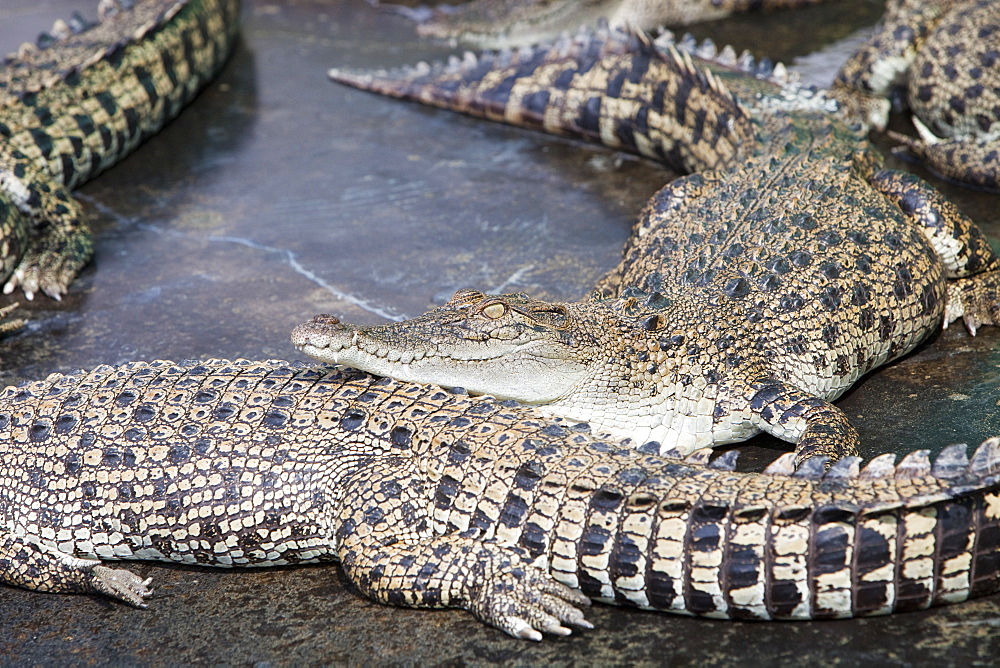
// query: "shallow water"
[[278, 195]]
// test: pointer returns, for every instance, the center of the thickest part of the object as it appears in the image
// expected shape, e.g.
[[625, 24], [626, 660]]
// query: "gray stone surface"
[[278, 195]]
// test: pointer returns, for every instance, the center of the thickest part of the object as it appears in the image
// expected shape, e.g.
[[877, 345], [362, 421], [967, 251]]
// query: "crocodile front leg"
[[29, 563], [817, 427], [970, 160], [391, 553], [57, 237]]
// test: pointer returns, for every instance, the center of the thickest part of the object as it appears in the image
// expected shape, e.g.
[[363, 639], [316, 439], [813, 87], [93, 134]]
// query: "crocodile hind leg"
[[59, 241], [389, 551], [974, 161], [28, 563], [817, 427], [973, 269]]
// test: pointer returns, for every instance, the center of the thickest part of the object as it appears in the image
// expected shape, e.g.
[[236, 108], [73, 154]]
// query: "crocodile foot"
[[52, 264], [525, 602], [975, 299], [970, 161], [120, 584]]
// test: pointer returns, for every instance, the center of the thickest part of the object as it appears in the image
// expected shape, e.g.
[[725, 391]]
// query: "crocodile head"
[[510, 346]]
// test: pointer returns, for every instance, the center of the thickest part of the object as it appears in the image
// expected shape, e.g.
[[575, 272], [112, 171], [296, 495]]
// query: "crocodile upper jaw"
[[513, 371]]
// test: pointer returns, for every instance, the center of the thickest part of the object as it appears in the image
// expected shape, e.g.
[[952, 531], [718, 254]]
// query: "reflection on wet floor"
[[278, 195]]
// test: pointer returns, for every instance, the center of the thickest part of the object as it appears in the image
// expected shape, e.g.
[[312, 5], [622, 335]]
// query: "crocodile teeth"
[[78, 23], [563, 45], [914, 465], [764, 67], [61, 29], [26, 49], [951, 462], [45, 40], [745, 61], [780, 73], [108, 8], [503, 58], [783, 465], [688, 42], [665, 39], [880, 467], [848, 467]]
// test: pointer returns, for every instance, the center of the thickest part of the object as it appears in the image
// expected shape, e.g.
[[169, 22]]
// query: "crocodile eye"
[[495, 310]]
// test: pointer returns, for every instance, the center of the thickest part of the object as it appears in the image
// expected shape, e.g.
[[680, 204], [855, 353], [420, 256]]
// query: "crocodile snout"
[[322, 331]]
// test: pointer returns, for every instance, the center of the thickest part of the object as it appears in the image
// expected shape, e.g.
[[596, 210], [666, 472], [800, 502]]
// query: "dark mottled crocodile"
[[751, 293], [492, 23], [433, 499], [78, 102], [946, 54]]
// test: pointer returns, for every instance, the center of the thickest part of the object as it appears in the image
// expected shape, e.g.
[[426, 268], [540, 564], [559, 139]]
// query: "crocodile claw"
[[120, 584], [52, 267], [527, 603]]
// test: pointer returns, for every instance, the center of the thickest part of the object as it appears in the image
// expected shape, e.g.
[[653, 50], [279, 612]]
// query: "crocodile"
[[430, 498], [77, 102], [752, 292], [494, 23], [946, 53]]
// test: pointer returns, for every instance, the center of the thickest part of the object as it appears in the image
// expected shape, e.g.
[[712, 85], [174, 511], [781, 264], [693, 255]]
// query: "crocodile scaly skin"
[[946, 56], [432, 499], [80, 101], [493, 23], [751, 293]]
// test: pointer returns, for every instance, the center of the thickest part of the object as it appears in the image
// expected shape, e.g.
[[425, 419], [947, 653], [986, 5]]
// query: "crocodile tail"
[[609, 86], [164, 50], [933, 540], [812, 543]]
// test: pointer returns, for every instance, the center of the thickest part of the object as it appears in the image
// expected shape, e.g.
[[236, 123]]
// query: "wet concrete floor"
[[278, 195]]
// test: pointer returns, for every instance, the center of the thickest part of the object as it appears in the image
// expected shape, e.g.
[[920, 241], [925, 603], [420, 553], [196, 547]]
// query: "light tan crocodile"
[[946, 55], [80, 101], [751, 292], [434, 499], [495, 23]]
